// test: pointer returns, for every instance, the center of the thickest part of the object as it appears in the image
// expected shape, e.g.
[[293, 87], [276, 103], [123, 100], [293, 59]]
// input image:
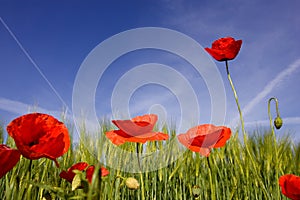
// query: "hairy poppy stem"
[[208, 162], [236, 98], [137, 155], [29, 168], [212, 193], [278, 120], [114, 182], [141, 174], [269, 113], [274, 136], [243, 126]]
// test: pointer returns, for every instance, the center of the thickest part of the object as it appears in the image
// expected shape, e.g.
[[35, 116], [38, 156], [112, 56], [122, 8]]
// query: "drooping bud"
[[278, 122], [132, 183]]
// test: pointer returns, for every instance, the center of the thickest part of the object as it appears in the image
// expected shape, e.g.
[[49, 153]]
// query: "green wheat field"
[[228, 173]]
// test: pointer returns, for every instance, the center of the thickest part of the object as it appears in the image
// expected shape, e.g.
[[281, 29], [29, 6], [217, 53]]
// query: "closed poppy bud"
[[196, 191], [278, 122], [132, 183]]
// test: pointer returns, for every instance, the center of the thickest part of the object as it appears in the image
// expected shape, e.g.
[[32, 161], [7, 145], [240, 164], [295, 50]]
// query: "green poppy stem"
[[141, 174], [137, 155], [30, 169], [142, 186], [269, 113], [236, 99], [212, 191], [243, 129], [274, 138], [114, 182], [270, 116]]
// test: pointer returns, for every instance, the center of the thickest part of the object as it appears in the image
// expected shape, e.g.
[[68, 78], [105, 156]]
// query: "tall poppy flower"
[[290, 186], [82, 166], [224, 48], [8, 159], [39, 135], [204, 137], [138, 129]]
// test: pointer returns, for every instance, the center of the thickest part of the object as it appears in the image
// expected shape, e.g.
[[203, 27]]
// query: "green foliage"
[[226, 174]]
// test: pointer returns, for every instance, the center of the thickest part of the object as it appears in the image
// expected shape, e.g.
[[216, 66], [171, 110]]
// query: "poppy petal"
[[138, 125], [152, 136], [150, 119], [212, 136], [184, 139], [8, 159], [225, 48], [226, 134], [118, 137], [69, 174], [89, 173], [204, 151], [290, 186], [204, 137], [216, 54], [104, 171], [115, 136], [138, 129]]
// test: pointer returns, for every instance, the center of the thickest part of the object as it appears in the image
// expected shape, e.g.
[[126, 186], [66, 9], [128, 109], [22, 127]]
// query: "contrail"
[[267, 89], [33, 62]]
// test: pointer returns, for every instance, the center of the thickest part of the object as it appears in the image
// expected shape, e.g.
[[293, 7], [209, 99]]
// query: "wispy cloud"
[[20, 108], [267, 89], [286, 121]]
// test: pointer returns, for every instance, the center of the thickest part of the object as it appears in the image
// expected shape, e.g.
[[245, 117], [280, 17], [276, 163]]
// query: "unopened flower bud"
[[278, 122], [196, 191], [132, 183]]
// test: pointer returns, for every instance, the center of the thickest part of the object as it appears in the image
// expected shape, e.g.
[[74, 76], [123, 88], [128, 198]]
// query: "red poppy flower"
[[204, 137], [8, 159], [224, 49], [82, 166], [290, 186], [39, 135], [69, 174], [138, 129]]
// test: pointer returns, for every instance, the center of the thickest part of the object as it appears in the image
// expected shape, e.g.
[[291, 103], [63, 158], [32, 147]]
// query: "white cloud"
[[20, 108]]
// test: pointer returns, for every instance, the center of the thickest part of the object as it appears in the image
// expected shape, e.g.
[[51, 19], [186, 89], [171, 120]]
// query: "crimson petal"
[[8, 159]]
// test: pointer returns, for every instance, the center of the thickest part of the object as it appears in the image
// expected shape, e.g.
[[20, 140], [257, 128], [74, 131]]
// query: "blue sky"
[[44, 43]]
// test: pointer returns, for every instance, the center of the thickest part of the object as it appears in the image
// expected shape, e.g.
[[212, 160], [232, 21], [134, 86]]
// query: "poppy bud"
[[278, 122], [196, 191], [132, 183]]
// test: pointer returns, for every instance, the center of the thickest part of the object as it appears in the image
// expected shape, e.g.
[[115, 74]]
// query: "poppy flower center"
[[32, 143]]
